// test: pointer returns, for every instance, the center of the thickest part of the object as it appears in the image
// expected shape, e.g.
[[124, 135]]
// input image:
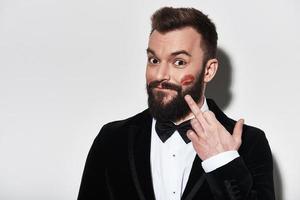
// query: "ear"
[[211, 68]]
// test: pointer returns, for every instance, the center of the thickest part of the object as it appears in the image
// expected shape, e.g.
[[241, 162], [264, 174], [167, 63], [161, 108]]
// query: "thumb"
[[237, 131]]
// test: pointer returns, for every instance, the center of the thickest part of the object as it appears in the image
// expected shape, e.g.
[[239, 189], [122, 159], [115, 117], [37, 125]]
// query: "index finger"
[[195, 110]]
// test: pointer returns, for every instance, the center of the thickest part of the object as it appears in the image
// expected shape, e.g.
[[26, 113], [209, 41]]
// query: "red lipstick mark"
[[187, 79]]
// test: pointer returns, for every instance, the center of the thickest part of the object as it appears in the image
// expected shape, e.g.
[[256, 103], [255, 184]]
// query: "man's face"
[[174, 69]]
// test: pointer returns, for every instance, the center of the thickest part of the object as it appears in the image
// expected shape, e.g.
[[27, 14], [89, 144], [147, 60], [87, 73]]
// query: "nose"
[[163, 72]]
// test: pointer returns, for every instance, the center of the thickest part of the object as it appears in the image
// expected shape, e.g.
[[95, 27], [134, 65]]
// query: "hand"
[[209, 136]]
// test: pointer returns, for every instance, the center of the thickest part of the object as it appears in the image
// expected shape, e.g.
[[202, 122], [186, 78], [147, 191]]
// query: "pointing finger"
[[198, 128], [196, 110]]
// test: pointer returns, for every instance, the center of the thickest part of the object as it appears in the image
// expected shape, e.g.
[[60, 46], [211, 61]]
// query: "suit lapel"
[[196, 179], [139, 156]]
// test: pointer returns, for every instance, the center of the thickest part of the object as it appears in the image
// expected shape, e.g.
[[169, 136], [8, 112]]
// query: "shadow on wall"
[[277, 180], [219, 90]]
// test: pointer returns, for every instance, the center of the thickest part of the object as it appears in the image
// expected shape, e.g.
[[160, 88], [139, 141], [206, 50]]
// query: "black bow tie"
[[166, 129]]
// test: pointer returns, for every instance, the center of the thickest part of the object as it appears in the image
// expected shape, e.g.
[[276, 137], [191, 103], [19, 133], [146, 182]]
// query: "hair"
[[168, 19]]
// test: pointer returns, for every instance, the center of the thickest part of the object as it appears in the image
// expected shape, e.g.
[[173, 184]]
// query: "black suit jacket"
[[118, 165]]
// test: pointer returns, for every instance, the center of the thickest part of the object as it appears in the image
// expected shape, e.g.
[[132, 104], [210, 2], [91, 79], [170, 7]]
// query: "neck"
[[190, 115]]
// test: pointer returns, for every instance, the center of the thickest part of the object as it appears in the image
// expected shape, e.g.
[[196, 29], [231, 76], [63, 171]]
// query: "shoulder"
[[249, 131], [252, 137], [255, 145], [229, 123], [120, 127], [131, 121]]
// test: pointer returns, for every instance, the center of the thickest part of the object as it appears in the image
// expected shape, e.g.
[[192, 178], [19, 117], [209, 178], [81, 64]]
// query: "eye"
[[153, 60], [179, 63]]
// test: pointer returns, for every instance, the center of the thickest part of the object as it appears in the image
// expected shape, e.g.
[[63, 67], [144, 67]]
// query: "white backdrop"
[[69, 67]]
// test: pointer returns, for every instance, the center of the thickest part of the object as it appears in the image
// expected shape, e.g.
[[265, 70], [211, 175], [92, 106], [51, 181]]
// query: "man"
[[183, 146]]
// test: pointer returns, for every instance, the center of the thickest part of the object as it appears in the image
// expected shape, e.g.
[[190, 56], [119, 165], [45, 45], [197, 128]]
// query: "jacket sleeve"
[[248, 177], [93, 183]]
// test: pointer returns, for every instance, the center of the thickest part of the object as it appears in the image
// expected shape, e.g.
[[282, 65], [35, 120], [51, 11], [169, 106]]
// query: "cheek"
[[187, 80], [149, 76]]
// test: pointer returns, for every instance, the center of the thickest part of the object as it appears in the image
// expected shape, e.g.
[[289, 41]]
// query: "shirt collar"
[[204, 106]]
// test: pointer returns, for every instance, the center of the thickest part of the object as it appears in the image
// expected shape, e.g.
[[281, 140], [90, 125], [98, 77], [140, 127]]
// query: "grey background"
[[69, 67]]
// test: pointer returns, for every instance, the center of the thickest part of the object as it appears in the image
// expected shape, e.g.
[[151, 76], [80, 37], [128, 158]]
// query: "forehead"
[[187, 39]]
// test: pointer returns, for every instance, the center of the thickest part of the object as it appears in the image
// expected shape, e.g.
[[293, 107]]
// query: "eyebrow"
[[181, 52], [150, 51], [172, 54]]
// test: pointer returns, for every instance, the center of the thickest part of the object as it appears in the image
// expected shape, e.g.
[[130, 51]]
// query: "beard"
[[176, 108]]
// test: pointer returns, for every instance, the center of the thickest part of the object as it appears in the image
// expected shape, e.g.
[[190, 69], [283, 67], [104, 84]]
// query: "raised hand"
[[209, 136]]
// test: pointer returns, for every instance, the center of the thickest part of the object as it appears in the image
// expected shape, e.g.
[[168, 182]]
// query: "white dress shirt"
[[171, 163]]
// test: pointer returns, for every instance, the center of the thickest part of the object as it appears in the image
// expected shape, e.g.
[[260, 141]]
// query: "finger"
[[196, 110], [209, 116], [198, 129], [238, 130], [192, 136]]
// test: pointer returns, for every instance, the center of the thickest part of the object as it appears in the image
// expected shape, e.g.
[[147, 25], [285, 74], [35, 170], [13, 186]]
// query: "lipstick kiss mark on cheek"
[[187, 79]]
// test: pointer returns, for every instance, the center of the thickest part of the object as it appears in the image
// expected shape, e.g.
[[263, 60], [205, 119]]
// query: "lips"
[[162, 89], [159, 86], [163, 86]]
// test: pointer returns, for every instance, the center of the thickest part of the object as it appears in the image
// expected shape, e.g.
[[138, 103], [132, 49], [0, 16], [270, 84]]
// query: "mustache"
[[164, 85]]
